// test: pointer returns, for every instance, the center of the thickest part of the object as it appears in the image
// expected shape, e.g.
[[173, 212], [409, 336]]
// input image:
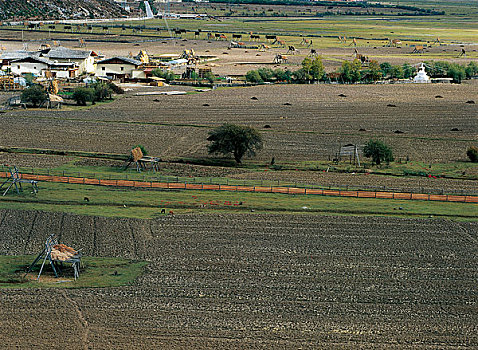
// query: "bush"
[[35, 95], [378, 151], [167, 75], [472, 154], [210, 77], [82, 95], [101, 91], [235, 139], [253, 76]]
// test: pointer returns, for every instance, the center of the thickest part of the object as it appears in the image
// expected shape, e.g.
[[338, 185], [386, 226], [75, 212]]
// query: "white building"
[[43, 67], [118, 68], [85, 60]]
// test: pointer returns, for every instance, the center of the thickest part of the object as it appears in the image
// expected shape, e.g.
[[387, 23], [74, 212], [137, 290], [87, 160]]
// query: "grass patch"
[[94, 272], [147, 203]]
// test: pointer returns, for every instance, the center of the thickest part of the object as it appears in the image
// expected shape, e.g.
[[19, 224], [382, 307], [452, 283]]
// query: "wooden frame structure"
[[50, 251], [16, 180], [140, 160]]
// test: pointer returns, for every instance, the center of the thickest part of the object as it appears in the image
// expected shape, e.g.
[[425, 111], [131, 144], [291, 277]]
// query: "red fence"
[[260, 189]]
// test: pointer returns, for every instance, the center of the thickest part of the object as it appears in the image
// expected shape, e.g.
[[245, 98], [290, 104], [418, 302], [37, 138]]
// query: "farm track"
[[256, 281], [256, 189]]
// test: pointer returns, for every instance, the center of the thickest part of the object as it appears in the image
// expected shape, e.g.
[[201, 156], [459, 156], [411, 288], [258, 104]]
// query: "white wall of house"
[[84, 65], [103, 69], [28, 67]]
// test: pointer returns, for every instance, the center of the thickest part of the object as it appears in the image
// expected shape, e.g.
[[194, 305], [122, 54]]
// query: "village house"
[[40, 66], [119, 68], [85, 60]]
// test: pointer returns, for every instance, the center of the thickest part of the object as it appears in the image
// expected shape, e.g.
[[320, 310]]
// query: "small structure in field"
[[422, 76], [15, 179], [139, 159], [57, 254]]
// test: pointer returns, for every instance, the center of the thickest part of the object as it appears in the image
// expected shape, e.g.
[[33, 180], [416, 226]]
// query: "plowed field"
[[253, 281], [313, 126]]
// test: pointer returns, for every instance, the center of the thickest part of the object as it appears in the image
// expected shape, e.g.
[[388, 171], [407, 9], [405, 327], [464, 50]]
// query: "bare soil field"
[[253, 281], [306, 122]]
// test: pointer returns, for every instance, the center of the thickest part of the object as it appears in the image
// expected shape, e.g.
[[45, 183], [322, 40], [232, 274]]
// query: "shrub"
[[101, 91], [235, 139], [82, 95], [35, 95], [378, 151], [253, 76], [472, 154]]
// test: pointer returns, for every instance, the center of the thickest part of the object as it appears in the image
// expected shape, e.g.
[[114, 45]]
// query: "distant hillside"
[[58, 9]]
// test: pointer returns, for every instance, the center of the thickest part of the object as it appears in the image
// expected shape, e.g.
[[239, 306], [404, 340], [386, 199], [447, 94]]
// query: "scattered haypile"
[[61, 252]]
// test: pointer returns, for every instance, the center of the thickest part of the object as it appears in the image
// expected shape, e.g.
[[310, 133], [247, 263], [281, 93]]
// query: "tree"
[[378, 151], [35, 94], [374, 70], [101, 91], [314, 68], [386, 68], [457, 72], [350, 71], [253, 76], [236, 139], [397, 72], [472, 153], [408, 71], [266, 74], [81, 95], [210, 77]]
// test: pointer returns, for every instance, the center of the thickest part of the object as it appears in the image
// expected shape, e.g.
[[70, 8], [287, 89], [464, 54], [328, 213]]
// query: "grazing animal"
[[86, 199], [418, 49], [292, 50], [313, 53], [163, 211]]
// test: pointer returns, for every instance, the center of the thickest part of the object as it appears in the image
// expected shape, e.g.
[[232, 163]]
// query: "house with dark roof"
[[40, 66], [84, 59], [117, 68]]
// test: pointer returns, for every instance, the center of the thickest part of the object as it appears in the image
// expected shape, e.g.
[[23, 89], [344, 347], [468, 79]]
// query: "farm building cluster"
[[69, 65]]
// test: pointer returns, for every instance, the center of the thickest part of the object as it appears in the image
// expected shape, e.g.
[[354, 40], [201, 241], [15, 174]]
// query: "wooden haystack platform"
[[141, 160], [57, 254]]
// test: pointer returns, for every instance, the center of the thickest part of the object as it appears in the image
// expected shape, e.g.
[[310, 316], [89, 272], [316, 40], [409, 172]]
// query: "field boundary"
[[256, 189]]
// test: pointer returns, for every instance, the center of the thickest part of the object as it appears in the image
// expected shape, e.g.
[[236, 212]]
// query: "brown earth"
[[252, 281], [313, 126]]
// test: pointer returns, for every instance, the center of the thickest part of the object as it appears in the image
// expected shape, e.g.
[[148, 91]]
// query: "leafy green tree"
[[314, 68], [266, 74], [82, 95], [165, 74], [374, 70], [397, 72], [253, 76], [301, 76], [472, 154], [456, 72], [378, 151], [210, 77], [408, 71], [142, 148], [471, 69], [386, 68], [235, 139], [283, 75], [101, 91], [350, 71], [35, 95]]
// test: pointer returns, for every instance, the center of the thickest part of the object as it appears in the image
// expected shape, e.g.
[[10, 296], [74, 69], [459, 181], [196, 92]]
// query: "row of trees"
[[312, 70], [100, 91], [241, 140]]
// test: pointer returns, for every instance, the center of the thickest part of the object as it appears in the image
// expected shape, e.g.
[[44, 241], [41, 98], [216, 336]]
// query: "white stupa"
[[421, 76]]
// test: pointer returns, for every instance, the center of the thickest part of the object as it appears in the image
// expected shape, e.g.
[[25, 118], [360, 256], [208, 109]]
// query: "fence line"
[[268, 183], [256, 189]]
